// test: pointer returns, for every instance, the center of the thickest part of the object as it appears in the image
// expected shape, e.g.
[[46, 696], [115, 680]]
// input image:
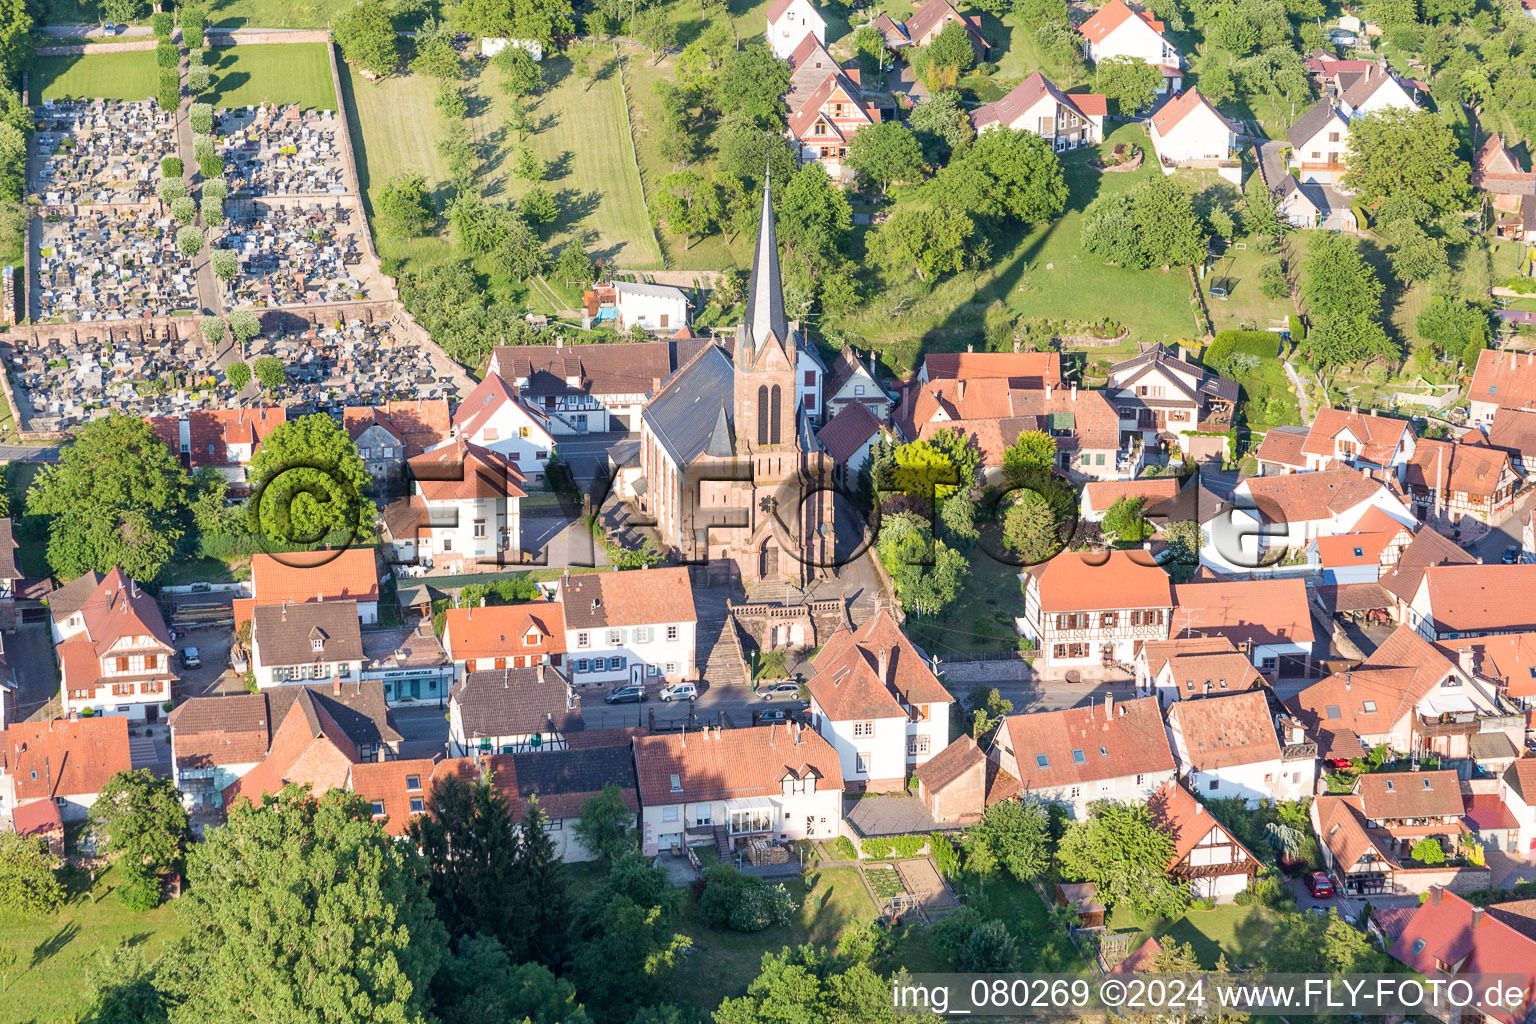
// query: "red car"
[[1321, 885]]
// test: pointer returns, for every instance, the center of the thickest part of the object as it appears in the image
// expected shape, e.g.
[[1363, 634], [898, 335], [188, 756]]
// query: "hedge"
[[843, 849], [1264, 344], [167, 55], [201, 117], [1298, 330], [162, 22], [888, 847]]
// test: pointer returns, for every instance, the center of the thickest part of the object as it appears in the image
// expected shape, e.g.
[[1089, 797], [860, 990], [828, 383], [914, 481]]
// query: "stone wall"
[[1458, 880], [91, 49], [262, 36]]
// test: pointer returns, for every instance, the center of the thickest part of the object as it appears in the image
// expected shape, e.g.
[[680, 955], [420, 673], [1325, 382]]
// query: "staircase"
[[142, 752], [718, 652], [723, 844]]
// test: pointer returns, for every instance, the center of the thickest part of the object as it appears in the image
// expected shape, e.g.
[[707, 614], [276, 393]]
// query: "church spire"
[[765, 292]]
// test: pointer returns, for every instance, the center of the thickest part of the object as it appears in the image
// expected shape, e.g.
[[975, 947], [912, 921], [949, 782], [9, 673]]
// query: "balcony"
[[1299, 752]]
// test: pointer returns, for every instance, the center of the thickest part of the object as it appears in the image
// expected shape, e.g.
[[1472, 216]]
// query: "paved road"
[[208, 292], [586, 454], [1491, 546]]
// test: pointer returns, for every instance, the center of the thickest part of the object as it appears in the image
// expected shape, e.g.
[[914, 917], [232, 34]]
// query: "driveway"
[[29, 652], [557, 542], [423, 730], [1490, 547], [1349, 907], [214, 677], [1330, 202]]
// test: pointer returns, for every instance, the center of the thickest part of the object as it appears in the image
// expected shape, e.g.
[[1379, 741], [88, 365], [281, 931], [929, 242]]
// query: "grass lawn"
[[54, 953], [724, 962], [276, 73], [1244, 303], [108, 76], [982, 620], [1046, 275], [1019, 906], [182, 571], [1242, 933]]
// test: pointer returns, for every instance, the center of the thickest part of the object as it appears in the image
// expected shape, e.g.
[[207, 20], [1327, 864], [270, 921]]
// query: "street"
[[1491, 546]]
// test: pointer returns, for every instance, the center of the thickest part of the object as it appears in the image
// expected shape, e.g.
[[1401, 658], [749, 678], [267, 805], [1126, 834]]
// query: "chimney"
[[1074, 392], [1109, 706], [970, 348], [885, 664], [1015, 346], [1048, 392], [1373, 412], [1434, 896], [1477, 916], [1346, 679], [559, 341], [655, 384], [336, 687], [960, 389], [1511, 360]]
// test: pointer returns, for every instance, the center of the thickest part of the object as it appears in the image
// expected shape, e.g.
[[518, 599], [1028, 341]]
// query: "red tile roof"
[[210, 432], [1371, 698], [1021, 99], [1481, 598], [1387, 795], [1487, 811], [848, 431], [1507, 379], [1187, 821], [461, 470], [729, 764], [1449, 930], [1508, 658], [1258, 611], [1171, 114], [209, 731], [387, 783], [1040, 368], [500, 631], [483, 402], [1377, 436], [1300, 497], [1110, 17], [1352, 549], [1098, 581], [1129, 740], [1104, 493], [309, 747], [1468, 468], [847, 683], [39, 818], [65, 757], [351, 574], [933, 14], [1428, 547], [419, 423], [635, 597], [1282, 446], [1228, 730]]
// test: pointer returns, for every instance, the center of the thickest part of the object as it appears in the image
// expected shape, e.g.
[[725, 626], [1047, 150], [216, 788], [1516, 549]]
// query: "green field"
[[277, 73], [53, 954], [107, 76], [1244, 303]]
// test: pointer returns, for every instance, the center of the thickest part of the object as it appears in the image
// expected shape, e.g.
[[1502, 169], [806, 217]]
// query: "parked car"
[[773, 716], [1512, 554], [679, 691], [627, 694], [190, 658], [1321, 885], [779, 691]]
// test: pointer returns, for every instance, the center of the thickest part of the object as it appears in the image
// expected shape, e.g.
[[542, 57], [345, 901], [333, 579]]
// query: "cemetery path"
[[208, 296]]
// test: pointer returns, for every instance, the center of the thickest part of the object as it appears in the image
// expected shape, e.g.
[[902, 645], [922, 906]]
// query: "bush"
[[184, 210], [238, 375], [194, 38], [200, 115], [1263, 344], [169, 79], [167, 55], [215, 188], [140, 891], [170, 167], [1428, 851], [202, 144], [741, 903], [1522, 284], [193, 19], [945, 857], [162, 22], [893, 847], [197, 58], [1298, 330], [169, 99], [843, 849], [213, 213], [198, 79]]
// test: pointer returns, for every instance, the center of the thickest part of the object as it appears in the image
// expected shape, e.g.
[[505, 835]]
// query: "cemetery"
[[108, 263], [99, 151], [281, 151], [355, 363], [298, 252]]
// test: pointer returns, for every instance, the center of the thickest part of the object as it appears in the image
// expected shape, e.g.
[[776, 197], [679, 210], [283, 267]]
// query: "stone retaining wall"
[[91, 49]]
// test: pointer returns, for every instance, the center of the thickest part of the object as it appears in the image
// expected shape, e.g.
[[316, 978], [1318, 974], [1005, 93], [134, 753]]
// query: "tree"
[[436, 57], [925, 240], [1427, 851], [189, 240], [1033, 451], [1128, 82], [1181, 557], [308, 482], [28, 885], [16, 43], [480, 984], [750, 84], [1343, 297], [988, 708], [213, 213], [1407, 154], [745, 148], [951, 48], [1123, 521], [574, 267], [1031, 530], [687, 205], [607, 825], [957, 513], [366, 35], [140, 818], [1019, 836], [809, 984], [271, 374], [301, 905], [928, 574], [628, 950], [8, 957], [183, 209], [198, 79], [238, 375], [884, 153], [539, 207], [245, 324], [406, 202], [122, 988], [656, 31], [942, 125], [520, 73], [743, 903], [171, 189], [1155, 223], [1004, 176], [1125, 853], [226, 262], [115, 499], [529, 167], [13, 162]]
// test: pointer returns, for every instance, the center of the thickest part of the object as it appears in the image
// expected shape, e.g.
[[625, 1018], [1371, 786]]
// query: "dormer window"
[[318, 643]]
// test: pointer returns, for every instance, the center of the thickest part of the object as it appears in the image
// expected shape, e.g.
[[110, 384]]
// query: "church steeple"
[[765, 291]]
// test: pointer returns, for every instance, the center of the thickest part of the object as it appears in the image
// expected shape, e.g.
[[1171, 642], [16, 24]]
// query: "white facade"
[[654, 307], [522, 436], [631, 654], [123, 688], [1389, 95], [884, 749], [815, 813], [1524, 813], [1243, 530], [464, 530], [1321, 158], [271, 674], [1135, 38], [791, 26], [1200, 135], [809, 378]]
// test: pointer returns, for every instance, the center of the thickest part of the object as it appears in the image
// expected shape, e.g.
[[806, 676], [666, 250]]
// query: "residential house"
[[809, 66], [1517, 792], [317, 734], [113, 647], [851, 381], [214, 742], [1188, 132], [1319, 144], [1159, 396], [562, 781], [1359, 858], [1451, 940], [298, 577], [512, 711], [1270, 619], [925, 24], [224, 439], [635, 626], [1452, 482], [505, 636], [10, 568], [874, 697], [63, 761], [1191, 667], [1276, 518], [1100, 495], [1117, 31], [1206, 855], [466, 510], [297, 643], [960, 782], [1110, 751], [1507, 661], [410, 662], [1502, 380], [1408, 695], [387, 435], [1457, 601], [1428, 547], [625, 305], [1280, 451], [1513, 431], [398, 791], [727, 787], [850, 438], [1228, 746], [1374, 90], [495, 417], [1409, 807], [43, 820], [1509, 186], [1351, 558], [1339, 437], [823, 125], [1088, 610], [790, 21], [1025, 369], [1066, 121]]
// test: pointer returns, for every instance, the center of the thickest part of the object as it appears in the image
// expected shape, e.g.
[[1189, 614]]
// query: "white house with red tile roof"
[[63, 761], [1117, 31], [933, 16], [225, 439], [398, 791], [1517, 792], [1188, 132], [1066, 121], [505, 636], [465, 509], [823, 125], [725, 787], [1206, 855], [494, 416], [1373, 91], [790, 21], [349, 574], [1347, 437], [809, 66], [876, 700], [1228, 746], [1458, 601], [1269, 619], [1026, 369], [1109, 750], [1502, 380], [113, 647], [1450, 939], [1083, 608], [1293, 510], [1507, 661], [1101, 494], [636, 626]]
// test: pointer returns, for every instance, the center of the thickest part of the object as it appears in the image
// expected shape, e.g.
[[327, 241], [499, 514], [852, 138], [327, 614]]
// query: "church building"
[[732, 471]]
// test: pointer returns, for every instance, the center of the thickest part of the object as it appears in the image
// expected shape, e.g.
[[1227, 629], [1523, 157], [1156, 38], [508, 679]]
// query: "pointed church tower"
[[765, 361]]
